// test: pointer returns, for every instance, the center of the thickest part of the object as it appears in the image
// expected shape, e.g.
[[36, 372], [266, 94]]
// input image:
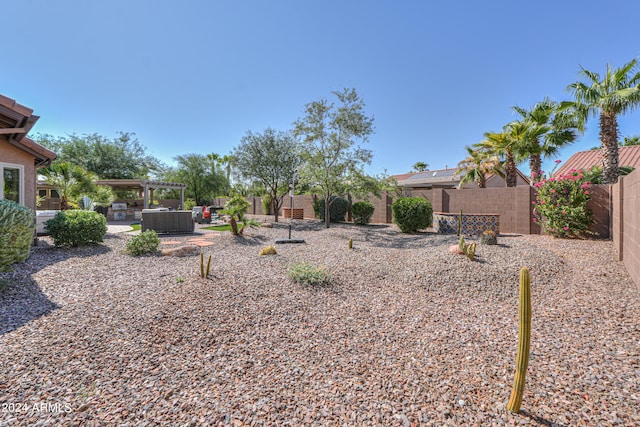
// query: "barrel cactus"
[[489, 238], [17, 230]]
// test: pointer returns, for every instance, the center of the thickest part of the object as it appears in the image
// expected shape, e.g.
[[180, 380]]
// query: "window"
[[12, 182]]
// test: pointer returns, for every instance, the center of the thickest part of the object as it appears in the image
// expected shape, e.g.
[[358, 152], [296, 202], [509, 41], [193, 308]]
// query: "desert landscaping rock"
[[405, 335]]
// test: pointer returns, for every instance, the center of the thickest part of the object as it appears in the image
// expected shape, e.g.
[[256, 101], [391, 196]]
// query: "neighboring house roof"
[[439, 178], [15, 122], [428, 178], [627, 156]]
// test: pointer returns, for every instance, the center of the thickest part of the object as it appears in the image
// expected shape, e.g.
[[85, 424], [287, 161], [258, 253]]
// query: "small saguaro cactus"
[[350, 243], [204, 273], [524, 338]]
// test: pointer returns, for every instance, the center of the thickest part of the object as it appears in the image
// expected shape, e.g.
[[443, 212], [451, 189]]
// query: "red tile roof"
[[627, 156]]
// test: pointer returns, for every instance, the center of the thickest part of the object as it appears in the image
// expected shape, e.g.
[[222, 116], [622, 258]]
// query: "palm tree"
[[420, 166], [69, 180], [508, 143], [478, 164], [550, 128], [617, 92], [229, 161]]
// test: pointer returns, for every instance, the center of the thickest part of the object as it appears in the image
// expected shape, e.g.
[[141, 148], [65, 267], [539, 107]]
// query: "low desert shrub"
[[337, 209], [411, 214], [305, 273], [16, 233], [362, 212], [77, 228], [144, 243]]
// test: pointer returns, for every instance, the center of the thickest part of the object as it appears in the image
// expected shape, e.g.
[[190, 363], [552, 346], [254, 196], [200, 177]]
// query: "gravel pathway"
[[406, 334]]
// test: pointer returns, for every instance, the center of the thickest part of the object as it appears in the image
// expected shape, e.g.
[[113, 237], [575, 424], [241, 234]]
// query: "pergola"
[[144, 187]]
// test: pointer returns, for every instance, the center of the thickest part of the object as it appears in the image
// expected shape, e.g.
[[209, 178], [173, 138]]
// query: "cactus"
[[471, 251], [268, 250], [468, 249], [488, 238], [524, 337], [350, 243], [459, 223], [208, 266], [204, 274]]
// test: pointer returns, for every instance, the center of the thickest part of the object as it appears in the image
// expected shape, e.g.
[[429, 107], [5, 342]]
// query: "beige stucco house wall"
[[20, 157]]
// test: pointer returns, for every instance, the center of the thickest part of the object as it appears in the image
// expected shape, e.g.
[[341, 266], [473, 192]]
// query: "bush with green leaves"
[[411, 214], [561, 205], [337, 209], [362, 212], [16, 233], [144, 243], [305, 273], [267, 202], [77, 228]]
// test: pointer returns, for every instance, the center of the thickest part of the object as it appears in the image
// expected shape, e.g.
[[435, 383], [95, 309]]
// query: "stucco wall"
[[11, 154]]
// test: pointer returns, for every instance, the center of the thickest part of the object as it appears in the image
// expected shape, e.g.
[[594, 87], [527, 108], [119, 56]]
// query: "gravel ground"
[[406, 334]]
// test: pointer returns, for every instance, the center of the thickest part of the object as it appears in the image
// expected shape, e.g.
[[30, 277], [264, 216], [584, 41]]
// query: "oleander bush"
[[77, 228], [337, 209], [16, 233], [411, 214], [362, 212], [561, 205], [144, 243]]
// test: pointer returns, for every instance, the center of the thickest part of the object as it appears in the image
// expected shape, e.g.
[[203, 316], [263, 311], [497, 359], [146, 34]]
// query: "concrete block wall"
[[626, 223]]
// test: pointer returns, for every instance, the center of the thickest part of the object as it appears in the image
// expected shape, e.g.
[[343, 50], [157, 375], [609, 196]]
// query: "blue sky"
[[193, 76]]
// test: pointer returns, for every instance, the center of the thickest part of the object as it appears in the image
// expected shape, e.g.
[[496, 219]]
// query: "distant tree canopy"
[[203, 179], [122, 157]]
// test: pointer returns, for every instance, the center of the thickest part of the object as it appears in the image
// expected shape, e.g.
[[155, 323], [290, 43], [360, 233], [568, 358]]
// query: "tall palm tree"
[[509, 144], [478, 164], [229, 161], [617, 92], [550, 128]]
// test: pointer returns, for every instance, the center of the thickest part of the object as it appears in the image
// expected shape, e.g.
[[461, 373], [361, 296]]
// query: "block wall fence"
[[625, 229], [514, 205]]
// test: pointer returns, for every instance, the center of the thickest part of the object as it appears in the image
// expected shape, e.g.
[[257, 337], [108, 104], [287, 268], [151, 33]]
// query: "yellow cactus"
[[524, 338], [268, 250]]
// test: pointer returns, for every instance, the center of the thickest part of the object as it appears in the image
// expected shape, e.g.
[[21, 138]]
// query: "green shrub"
[[266, 204], [561, 205], [362, 212], [77, 228], [411, 214], [337, 209], [16, 233], [189, 204], [146, 242], [307, 274]]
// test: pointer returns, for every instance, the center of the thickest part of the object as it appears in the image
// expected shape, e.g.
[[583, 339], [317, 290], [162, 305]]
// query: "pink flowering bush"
[[561, 205]]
